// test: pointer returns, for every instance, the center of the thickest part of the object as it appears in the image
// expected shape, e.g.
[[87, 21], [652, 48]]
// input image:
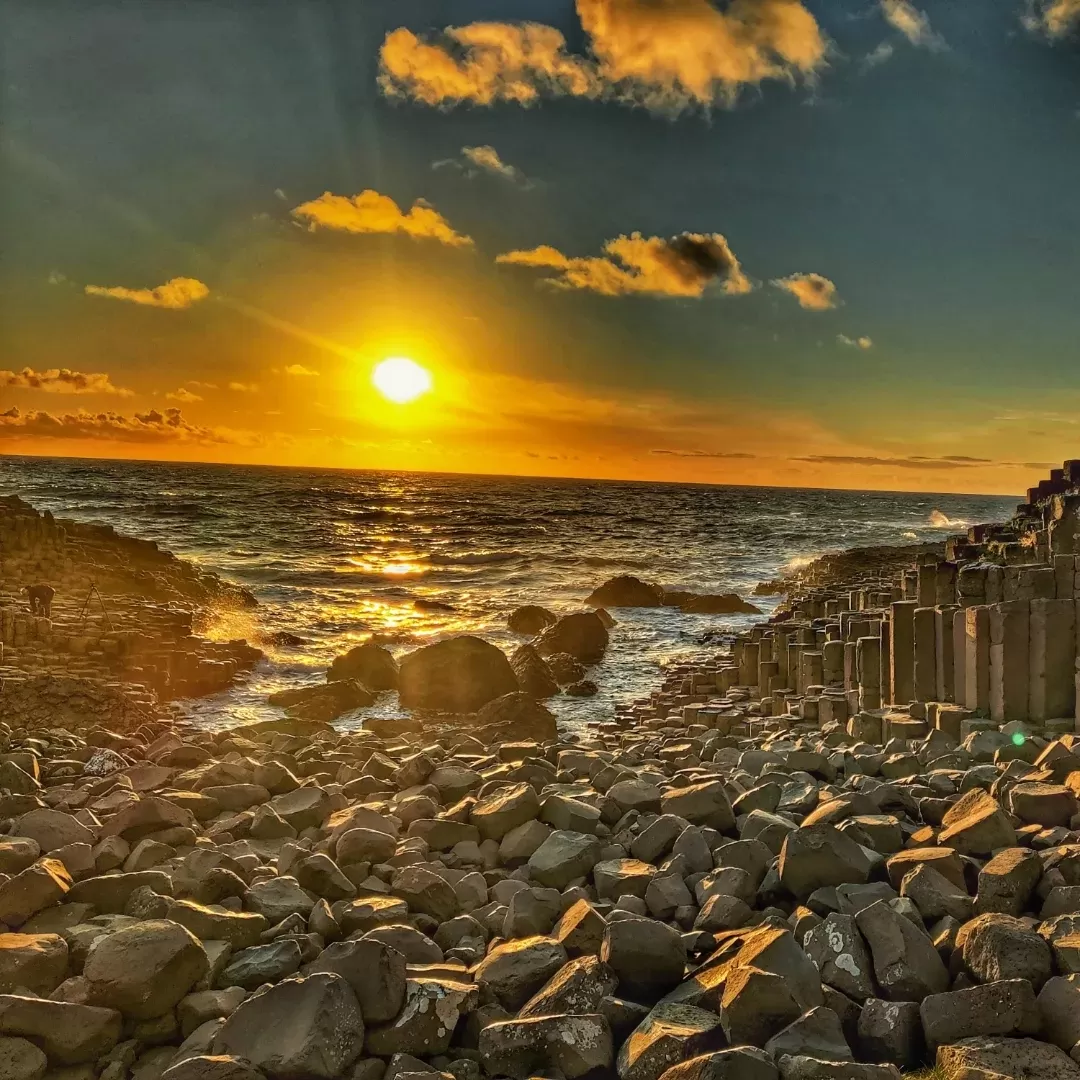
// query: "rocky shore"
[[831, 851]]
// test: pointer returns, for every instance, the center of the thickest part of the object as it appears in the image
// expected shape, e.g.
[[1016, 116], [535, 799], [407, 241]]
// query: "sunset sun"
[[401, 380]]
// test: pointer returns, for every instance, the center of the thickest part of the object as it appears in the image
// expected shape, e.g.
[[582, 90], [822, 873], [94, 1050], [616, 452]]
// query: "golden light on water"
[[401, 380]]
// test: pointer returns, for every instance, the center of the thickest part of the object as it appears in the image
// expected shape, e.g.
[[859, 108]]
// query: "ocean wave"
[[476, 558], [940, 520]]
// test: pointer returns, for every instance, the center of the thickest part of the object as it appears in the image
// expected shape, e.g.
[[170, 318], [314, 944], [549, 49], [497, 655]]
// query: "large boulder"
[[818, 856], [458, 675], [324, 701], [626, 591], [649, 957], [69, 1033], [534, 676], [144, 969], [991, 1057], [709, 603], [518, 715], [530, 619], [370, 664], [907, 967], [583, 635], [302, 1027], [976, 825]]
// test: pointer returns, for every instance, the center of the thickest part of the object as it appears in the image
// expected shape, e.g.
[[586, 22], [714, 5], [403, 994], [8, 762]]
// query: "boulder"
[[1007, 882], [976, 825], [374, 970], [69, 1033], [516, 970], [626, 591], [534, 676], [577, 987], [36, 962], [734, 1063], [993, 1057], [583, 635], [669, 1034], [706, 803], [709, 603], [370, 664], [563, 857], [250, 968], [995, 1008], [504, 809], [815, 1034], [572, 1046], [838, 950], [52, 829], [1000, 947], [308, 1027], [37, 887], [21, 1059], [1059, 1010], [426, 892], [530, 619], [428, 1020], [907, 967], [817, 856], [756, 1005], [458, 675], [145, 969], [648, 957], [518, 715], [211, 1067], [323, 702]]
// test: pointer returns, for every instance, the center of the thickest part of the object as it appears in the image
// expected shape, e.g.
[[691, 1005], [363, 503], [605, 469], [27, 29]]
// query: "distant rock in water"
[[420, 604], [584, 688], [626, 591], [282, 639], [518, 716], [709, 603], [583, 635], [371, 664], [533, 673], [324, 702], [565, 668], [629, 591], [460, 674], [530, 619]]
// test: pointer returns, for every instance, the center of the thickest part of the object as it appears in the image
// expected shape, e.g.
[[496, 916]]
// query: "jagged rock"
[[370, 664], [998, 947], [816, 1034], [669, 1034], [302, 1027], [756, 1005], [580, 986], [581, 929], [838, 950], [907, 967], [458, 675], [1007, 881], [534, 676], [890, 1032], [426, 1023]]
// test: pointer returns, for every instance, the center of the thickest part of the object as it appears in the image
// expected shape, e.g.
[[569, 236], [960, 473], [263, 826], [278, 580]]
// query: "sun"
[[401, 380]]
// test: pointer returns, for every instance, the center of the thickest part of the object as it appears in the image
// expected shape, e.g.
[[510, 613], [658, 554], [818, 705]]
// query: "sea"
[[337, 556]]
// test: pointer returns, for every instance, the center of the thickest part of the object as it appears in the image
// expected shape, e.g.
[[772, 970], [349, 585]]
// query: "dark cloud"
[[914, 461], [155, 426]]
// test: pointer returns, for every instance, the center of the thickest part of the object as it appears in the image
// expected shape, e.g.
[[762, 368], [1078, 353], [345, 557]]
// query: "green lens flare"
[[1019, 738]]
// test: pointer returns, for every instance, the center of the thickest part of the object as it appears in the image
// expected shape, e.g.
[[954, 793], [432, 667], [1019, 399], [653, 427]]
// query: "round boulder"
[[458, 675], [583, 635], [626, 591], [370, 664]]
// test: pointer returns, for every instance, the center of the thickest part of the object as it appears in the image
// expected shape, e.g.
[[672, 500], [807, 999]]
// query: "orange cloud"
[[1056, 17], [62, 381], [183, 395], [813, 291], [168, 425], [666, 54], [685, 265], [911, 22], [370, 212], [180, 292], [483, 63], [299, 369]]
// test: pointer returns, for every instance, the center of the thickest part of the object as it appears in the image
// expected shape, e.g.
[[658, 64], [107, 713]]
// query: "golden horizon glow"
[[401, 380]]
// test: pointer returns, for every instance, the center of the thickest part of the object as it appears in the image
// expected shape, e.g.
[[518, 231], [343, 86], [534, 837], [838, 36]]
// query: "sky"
[[784, 242]]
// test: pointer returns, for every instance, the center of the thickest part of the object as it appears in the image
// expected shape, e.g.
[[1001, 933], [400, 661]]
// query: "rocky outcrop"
[[582, 635]]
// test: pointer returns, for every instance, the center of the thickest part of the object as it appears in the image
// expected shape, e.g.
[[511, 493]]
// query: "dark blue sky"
[[932, 181]]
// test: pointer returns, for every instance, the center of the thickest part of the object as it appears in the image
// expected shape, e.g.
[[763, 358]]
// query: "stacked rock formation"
[[124, 609]]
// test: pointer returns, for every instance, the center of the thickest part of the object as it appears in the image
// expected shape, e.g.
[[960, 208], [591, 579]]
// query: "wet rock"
[[302, 1027], [323, 702], [457, 675], [534, 676], [626, 591], [370, 664], [583, 635], [529, 619]]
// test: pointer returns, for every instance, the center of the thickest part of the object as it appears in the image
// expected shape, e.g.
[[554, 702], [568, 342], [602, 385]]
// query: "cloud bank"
[[685, 265], [62, 381], [178, 293], [155, 426], [668, 55], [370, 212]]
